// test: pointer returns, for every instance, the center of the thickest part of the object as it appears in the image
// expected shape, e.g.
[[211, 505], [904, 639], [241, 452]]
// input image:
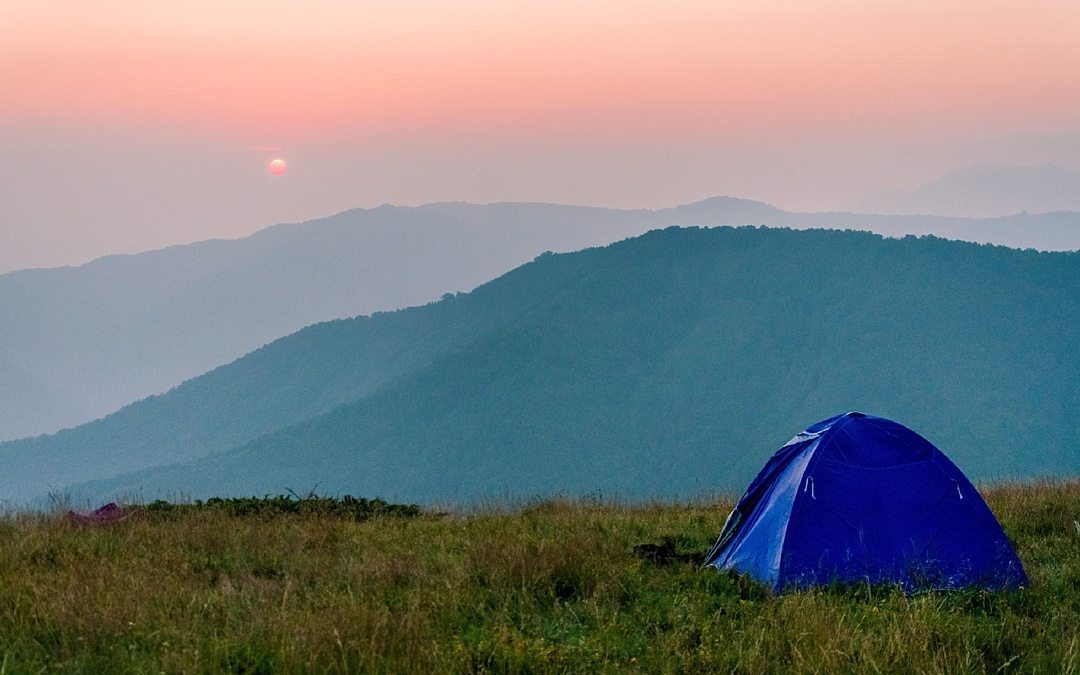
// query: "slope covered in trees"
[[674, 363], [78, 343]]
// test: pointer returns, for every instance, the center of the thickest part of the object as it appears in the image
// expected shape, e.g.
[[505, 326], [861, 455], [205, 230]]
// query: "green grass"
[[550, 587]]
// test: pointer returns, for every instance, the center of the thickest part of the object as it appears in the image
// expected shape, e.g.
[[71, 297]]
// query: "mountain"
[[287, 381], [987, 190], [78, 343], [664, 365]]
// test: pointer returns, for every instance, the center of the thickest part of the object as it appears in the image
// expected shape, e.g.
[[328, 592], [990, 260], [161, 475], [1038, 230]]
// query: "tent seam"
[[798, 494]]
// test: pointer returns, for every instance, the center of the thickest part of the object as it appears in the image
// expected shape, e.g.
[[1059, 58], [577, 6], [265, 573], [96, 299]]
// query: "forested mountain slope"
[[77, 343], [675, 362]]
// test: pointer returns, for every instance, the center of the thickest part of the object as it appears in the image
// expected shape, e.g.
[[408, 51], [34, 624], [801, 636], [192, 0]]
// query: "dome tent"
[[857, 498]]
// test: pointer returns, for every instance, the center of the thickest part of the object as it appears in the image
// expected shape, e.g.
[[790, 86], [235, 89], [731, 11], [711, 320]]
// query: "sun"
[[277, 167]]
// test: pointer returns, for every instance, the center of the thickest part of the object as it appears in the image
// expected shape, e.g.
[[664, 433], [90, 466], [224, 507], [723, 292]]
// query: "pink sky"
[[128, 124]]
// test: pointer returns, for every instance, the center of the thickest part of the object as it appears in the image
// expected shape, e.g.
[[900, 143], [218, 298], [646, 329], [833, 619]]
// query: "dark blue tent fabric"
[[857, 498]]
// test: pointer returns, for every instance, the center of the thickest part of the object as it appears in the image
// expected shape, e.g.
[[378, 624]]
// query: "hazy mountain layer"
[[90, 339], [987, 190], [77, 343], [665, 365]]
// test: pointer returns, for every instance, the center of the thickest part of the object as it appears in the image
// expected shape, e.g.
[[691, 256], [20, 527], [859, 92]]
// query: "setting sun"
[[277, 167]]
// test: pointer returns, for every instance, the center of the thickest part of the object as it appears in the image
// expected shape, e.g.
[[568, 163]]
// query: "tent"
[[857, 498]]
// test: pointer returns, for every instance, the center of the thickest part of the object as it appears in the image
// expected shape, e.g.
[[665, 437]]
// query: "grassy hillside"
[[677, 362], [553, 586]]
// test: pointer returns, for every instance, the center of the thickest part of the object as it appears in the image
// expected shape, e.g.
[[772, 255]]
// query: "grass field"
[[548, 587]]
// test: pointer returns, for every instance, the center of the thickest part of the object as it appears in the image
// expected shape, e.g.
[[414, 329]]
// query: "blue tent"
[[862, 498]]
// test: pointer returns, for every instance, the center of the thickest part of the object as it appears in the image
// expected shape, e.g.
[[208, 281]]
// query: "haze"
[[127, 125]]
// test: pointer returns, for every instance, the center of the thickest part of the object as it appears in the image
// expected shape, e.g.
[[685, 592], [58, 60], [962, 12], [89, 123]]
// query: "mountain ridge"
[[97, 337], [986, 190], [646, 346]]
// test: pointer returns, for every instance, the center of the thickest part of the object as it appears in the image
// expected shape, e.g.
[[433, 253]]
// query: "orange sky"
[[543, 67], [529, 87]]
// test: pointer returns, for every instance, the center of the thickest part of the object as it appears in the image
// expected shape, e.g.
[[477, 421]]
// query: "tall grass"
[[549, 587]]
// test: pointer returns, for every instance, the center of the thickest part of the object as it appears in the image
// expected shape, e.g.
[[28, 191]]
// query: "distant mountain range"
[[987, 190], [664, 365], [78, 343]]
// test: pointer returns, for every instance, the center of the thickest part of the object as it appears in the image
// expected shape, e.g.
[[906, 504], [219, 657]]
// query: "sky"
[[127, 125]]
